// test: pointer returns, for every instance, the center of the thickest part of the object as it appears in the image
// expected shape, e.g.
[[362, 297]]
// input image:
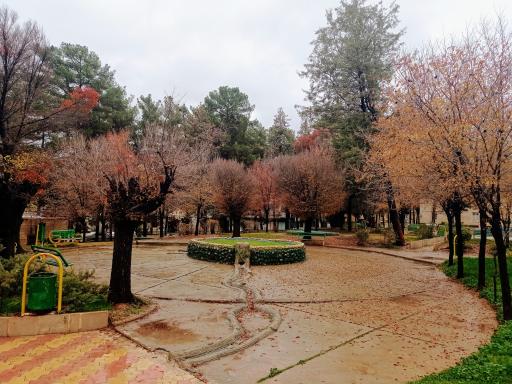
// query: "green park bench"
[[53, 251], [62, 236], [307, 236], [413, 227], [478, 232]]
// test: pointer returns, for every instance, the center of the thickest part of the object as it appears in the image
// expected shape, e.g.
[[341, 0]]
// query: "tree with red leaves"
[[28, 108], [232, 188], [265, 188], [310, 184]]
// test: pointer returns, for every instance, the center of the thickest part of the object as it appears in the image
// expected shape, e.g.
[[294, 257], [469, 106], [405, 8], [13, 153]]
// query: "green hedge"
[[220, 253]]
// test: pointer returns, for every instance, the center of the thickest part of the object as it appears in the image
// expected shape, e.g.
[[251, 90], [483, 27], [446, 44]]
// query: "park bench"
[[53, 251], [307, 236], [478, 232], [62, 236]]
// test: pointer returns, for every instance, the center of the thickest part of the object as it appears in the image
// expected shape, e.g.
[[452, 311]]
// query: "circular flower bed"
[[263, 252]]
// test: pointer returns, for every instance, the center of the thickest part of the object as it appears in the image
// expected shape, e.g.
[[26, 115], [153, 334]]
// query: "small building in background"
[[32, 219], [470, 217]]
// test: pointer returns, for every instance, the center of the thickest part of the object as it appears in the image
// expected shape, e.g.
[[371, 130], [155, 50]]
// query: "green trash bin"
[[42, 291]]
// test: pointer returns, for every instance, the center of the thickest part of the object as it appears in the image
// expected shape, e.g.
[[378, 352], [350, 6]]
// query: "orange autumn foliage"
[[81, 99]]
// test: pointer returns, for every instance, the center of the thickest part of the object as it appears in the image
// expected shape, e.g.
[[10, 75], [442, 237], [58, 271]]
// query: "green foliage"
[[79, 292], [466, 234], [75, 66], [280, 136], [268, 255], [251, 241], [425, 232], [493, 362], [362, 235], [229, 110], [389, 237], [343, 76]]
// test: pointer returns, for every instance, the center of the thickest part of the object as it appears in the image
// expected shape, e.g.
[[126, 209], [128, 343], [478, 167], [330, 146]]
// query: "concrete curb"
[[152, 308], [48, 324]]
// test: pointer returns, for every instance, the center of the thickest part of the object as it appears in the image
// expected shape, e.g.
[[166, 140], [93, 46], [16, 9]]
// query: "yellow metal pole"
[[455, 246], [37, 234], [43, 256]]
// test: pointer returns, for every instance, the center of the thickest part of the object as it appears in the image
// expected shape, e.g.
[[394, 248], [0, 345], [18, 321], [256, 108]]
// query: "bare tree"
[[310, 184], [232, 188]]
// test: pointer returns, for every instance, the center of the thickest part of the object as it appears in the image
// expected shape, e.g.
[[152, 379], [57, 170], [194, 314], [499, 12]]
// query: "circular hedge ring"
[[263, 252]]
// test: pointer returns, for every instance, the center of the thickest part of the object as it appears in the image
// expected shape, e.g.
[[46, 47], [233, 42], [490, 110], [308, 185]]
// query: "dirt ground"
[[342, 316]]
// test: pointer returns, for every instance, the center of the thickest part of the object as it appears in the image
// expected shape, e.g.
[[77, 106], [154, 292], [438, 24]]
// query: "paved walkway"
[[347, 315], [88, 357]]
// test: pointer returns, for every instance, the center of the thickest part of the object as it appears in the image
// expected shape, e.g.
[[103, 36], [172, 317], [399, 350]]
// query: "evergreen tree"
[[280, 136], [75, 66]]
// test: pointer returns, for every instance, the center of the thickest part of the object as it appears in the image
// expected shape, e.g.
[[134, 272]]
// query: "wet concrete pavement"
[[347, 316]]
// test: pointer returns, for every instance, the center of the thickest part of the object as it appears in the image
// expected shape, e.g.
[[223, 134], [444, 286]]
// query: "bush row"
[[259, 256]]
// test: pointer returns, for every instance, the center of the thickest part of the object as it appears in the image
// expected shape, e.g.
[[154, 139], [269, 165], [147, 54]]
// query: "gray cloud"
[[188, 48]]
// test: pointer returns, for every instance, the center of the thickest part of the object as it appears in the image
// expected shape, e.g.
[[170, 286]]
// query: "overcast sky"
[[189, 47]]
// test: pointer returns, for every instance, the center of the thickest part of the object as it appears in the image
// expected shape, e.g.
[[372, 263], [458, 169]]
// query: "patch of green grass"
[[493, 362], [252, 242], [267, 235]]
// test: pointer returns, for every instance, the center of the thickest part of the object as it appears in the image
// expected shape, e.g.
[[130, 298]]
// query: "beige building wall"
[[470, 216], [29, 226]]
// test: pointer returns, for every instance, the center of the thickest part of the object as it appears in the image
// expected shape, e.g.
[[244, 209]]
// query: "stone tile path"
[[90, 357], [348, 316]]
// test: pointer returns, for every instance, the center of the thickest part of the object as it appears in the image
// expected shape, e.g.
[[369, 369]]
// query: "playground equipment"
[[41, 286]]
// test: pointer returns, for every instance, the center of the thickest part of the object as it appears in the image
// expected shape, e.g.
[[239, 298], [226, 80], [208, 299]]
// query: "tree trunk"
[[287, 219], [449, 216], [120, 290], [10, 223], [161, 221], [481, 251], [84, 229], [501, 252], [417, 215], [267, 214], [402, 218], [103, 229], [97, 227], [349, 214], [459, 246], [308, 226], [236, 226], [198, 214], [144, 227], [394, 217]]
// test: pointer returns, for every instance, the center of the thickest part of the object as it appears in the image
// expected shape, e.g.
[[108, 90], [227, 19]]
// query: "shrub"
[[362, 236], [222, 253], [79, 292], [389, 237], [425, 232], [467, 235]]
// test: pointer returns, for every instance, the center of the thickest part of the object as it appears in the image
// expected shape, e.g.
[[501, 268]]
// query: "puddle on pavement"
[[165, 332]]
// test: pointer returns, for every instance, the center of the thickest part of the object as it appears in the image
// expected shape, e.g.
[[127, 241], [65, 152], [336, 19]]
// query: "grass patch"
[[493, 362], [267, 235], [251, 241]]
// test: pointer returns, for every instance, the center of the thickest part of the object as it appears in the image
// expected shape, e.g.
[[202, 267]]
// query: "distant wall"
[[469, 217], [29, 227]]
